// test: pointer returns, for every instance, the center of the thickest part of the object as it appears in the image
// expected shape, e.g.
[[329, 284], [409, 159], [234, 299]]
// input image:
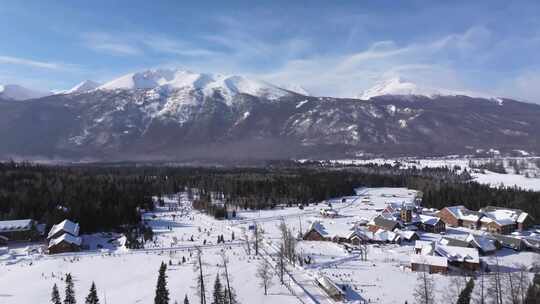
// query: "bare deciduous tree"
[[264, 273], [495, 288], [455, 286], [281, 264], [257, 237], [288, 241], [480, 292], [199, 276], [229, 292], [424, 292], [246, 238]]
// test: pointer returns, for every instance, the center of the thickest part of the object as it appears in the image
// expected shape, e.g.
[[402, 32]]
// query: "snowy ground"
[[492, 178], [129, 276]]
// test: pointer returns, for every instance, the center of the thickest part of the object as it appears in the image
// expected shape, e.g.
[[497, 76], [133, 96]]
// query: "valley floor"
[[129, 276]]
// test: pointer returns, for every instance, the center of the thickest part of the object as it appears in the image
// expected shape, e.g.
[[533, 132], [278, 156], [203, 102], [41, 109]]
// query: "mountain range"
[[176, 115]]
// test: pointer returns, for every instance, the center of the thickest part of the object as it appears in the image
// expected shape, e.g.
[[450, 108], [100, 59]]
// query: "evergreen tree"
[[186, 301], [92, 297], [218, 296], [162, 293], [55, 295], [465, 295], [70, 291]]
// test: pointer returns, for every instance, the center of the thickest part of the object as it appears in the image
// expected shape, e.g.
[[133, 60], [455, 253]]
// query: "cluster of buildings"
[[63, 237], [486, 231], [491, 219]]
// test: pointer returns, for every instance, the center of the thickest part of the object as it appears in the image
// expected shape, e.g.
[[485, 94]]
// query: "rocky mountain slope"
[[17, 92], [178, 115]]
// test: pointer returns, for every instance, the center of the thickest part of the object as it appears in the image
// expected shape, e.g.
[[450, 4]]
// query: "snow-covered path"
[[302, 283]]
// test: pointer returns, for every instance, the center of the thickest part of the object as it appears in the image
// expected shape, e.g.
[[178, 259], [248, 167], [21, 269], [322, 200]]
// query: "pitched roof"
[[385, 223], [458, 254], [330, 231], [385, 236], [66, 226], [462, 213], [15, 225], [431, 260], [507, 240], [406, 234], [503, 216], [481, 243], [428, 220], [451, 241], [75, 240]]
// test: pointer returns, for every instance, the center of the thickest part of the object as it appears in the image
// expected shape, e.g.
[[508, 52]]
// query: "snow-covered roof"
[[15, 225], [481, 242], [384, 223], [406, 234], [428, 220], [458, 254], [66, 226], [332, 230], [462, 213], [432, 260], [385, 236], [503, 216], [454, 240], [75, 240]]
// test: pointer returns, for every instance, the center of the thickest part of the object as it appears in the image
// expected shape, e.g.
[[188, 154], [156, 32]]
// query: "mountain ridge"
[[180, 124], [178, 115]]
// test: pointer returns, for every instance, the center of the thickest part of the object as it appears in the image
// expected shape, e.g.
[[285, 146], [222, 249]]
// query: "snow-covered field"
[[494, 179], [129, 276]]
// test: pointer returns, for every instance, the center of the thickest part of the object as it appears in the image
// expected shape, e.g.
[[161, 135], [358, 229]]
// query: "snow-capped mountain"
[[179, 115], [17, 92], [85, 86], [296, 89], [227, 86], [399, 86]]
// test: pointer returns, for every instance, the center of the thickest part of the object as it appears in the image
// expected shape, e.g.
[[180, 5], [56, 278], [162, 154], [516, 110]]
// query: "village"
[[361, 248]]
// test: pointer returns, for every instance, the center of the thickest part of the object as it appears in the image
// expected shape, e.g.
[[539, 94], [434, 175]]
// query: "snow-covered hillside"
[[527, 178], [17, 92], [399, 86], [172, 79], [85, 86]]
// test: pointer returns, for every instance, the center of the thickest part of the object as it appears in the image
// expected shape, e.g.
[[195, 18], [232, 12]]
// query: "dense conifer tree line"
[[109, 197]]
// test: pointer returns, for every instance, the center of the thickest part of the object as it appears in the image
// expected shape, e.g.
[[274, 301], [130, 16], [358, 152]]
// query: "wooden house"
[[429, 263], [18, 230], [65, 243]]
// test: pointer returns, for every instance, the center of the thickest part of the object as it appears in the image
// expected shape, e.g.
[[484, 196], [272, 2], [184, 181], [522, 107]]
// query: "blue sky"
[[334, 48]]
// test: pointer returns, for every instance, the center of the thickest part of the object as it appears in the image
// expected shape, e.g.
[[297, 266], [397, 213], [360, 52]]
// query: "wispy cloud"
[[140, 44], [430, 62], [104, 42], [31, 63]]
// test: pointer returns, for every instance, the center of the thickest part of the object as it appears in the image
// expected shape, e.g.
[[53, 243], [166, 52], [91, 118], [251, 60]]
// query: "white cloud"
[[31, 63], [430, 63], [108, 43], [140, 44]]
